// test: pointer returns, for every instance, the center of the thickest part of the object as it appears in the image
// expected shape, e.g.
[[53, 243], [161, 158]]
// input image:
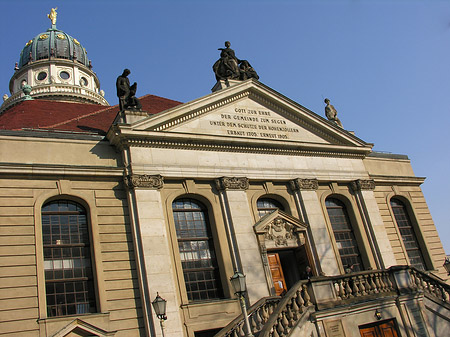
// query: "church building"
[[106, 208]]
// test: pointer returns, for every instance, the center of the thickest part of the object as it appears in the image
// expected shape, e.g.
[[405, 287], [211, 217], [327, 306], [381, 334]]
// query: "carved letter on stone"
[[360, 184], [232, 183], [145, 181], [304, 184]]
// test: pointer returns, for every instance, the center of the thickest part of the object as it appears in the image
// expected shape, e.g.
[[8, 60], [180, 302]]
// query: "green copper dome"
[[53, 44]]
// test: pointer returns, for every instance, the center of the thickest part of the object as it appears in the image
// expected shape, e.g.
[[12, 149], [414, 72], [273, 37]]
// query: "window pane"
[[408, 235], [196, 246], [68, 276], [266, 205], [343, 234]]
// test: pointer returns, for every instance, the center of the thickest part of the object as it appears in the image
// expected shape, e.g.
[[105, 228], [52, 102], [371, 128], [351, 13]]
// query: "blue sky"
[[385, 65]]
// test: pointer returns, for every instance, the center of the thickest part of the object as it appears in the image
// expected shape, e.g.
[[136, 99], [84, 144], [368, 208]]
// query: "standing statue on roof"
[[227, 67], [331, 113], [52, 15], [127, 93]]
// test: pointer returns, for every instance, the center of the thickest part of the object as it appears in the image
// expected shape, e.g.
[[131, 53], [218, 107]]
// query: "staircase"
[[279, 316]]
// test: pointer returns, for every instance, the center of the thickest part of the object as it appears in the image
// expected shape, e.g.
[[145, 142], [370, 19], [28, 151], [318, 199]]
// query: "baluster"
[[355, 286], [389, 282], [235, 333], [362, 289], [383, 286], [285, 322], [295, 307], [307, 297], [367, 284], [258, 318], [290, 316], [348, 290], [300, 300], [271, 307], [241, 329], [416, 279], [265, 314], [341, 290], [377, 282], [372, 284], [274, 332], [253, 324]]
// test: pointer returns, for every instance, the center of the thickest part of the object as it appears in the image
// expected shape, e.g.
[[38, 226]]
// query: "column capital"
[[299, 184], [363, 184], [154, 182], [232, 183]]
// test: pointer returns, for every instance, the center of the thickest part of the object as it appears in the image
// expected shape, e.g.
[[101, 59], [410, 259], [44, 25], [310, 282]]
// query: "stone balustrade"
[[276, 317]]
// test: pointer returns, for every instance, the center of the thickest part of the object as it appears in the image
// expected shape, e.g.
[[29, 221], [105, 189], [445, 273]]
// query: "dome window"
[[41, 76], [84, 82], [64, 75]]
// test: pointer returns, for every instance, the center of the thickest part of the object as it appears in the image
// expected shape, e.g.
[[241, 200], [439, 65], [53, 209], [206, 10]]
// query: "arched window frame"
[[357, 227], [415, 226], [275, 197], [221, 246], [87, 200]]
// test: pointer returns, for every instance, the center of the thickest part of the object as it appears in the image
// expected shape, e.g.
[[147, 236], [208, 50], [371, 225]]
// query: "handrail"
[[258, 314], [289, 311]]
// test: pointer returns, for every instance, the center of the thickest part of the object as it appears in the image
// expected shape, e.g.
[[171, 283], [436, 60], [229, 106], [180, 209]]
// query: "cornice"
[[55, 169], [397, 180], [217, 143]]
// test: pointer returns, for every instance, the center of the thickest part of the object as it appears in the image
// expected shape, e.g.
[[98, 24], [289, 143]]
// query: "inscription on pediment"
[[250, 120]]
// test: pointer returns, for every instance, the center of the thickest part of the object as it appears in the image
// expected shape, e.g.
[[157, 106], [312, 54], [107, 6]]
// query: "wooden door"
[[382, 329], [277, 273]]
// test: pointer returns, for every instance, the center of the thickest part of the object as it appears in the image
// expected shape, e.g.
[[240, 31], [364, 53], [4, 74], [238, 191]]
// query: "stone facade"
[[227, 151]]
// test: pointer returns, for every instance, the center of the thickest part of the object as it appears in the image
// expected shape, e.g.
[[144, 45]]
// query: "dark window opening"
[[408, 234], [197, 253], [344, 235], [69, 280]]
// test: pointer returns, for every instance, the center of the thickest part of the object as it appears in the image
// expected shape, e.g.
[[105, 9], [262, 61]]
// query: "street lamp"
[[447, 265], [238, 283], [159, 305]]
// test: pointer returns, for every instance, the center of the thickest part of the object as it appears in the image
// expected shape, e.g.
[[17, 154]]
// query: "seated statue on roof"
[[127, 93], [227, 67], [331, 113]]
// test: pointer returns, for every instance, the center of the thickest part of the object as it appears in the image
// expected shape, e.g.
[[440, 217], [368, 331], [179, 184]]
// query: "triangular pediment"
[[80, 328], [250, 114], [281, 230]]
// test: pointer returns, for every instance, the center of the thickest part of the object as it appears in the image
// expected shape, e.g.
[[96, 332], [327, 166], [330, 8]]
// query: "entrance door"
[[379, 329], [277, 273]]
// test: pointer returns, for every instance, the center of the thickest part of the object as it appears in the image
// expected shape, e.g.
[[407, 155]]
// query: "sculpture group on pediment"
[[230, 67]]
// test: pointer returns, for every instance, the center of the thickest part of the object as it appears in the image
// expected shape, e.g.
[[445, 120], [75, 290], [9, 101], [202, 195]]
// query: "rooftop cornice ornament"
[[52, 16]]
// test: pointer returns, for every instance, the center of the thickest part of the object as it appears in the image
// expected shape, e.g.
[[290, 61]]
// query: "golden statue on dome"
[[52, 15]]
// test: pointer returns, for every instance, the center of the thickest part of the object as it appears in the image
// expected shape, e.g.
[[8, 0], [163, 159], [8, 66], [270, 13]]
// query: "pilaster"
[[311, 210], [364, 189], [241, 221], [156, 251]]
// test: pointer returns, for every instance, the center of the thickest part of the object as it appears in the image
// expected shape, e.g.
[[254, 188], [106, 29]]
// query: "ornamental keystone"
[[232, 183]]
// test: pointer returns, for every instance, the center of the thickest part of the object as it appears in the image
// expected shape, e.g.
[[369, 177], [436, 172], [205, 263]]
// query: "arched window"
[[408, 234], [267, 205], [196, 245], [69, 280], [343, 234]]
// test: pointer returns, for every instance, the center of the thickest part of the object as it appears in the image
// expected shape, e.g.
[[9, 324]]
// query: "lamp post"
[[447, 265], [159, 305], [238, 283]]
